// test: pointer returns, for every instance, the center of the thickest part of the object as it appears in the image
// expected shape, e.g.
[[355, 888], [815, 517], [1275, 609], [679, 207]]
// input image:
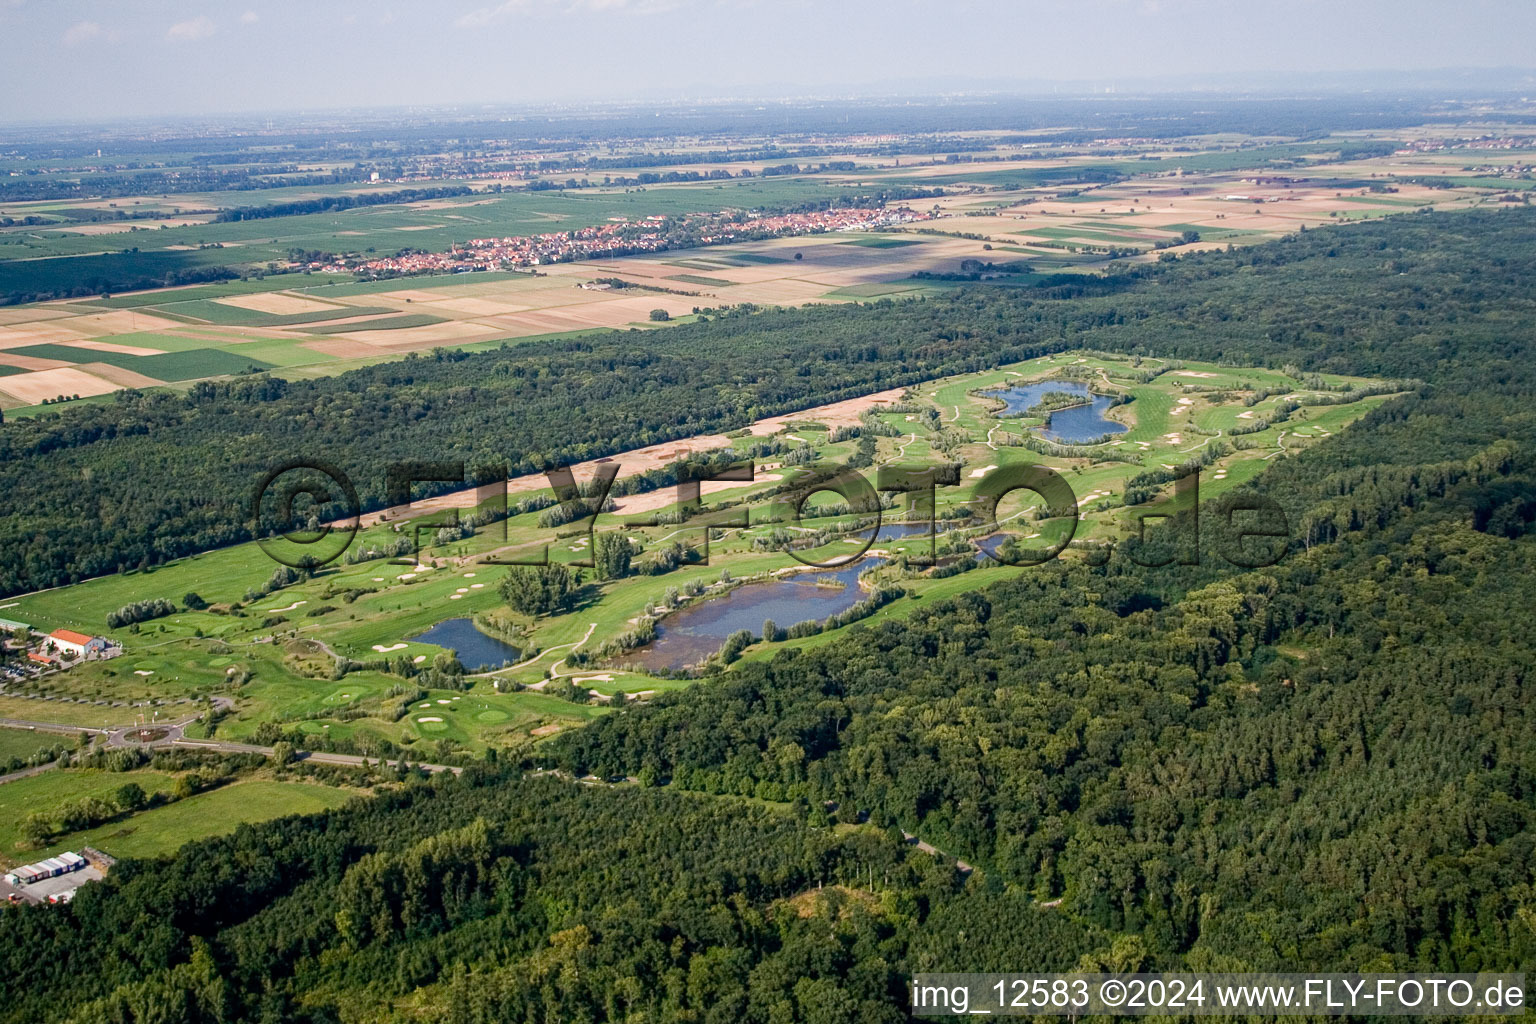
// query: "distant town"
[[623, 237]]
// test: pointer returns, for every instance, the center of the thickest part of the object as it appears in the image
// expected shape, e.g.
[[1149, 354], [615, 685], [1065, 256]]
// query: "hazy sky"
[[99, 58]]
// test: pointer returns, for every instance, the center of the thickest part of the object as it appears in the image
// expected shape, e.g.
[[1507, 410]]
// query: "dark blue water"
[[477, 651], [1068, 426], [689, 636], [989, 545], [901, 531]]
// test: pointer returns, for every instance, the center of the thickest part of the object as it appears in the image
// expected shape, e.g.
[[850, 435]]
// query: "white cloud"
[[81, 32], [249, 18], [191, 30]]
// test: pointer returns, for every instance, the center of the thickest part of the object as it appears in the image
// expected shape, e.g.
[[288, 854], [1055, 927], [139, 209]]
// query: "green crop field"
[[714, 282], [390, 323], [215, 312], [882, 243]]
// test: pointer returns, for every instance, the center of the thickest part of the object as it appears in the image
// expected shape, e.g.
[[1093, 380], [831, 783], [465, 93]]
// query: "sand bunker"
[[385, 650]]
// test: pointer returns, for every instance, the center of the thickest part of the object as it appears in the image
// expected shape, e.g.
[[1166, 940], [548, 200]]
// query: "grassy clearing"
[[165, 829], [47, 791], [23, 743]]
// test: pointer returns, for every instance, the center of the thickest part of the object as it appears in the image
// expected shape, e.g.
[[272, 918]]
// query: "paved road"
[[22, 723], [317, 756], [174, 735], [28, 772]]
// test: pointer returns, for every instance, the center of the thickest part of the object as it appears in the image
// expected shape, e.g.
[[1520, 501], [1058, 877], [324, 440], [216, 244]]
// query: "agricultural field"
[[999, 224], [274, 654]]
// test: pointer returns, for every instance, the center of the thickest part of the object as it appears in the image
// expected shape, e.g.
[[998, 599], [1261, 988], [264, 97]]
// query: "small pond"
[[1067, 426], [476, 650], [689, 636]]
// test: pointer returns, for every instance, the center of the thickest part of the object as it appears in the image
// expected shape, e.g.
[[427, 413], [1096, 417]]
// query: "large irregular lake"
[[476, 650], [1076, 425], [689, 636]]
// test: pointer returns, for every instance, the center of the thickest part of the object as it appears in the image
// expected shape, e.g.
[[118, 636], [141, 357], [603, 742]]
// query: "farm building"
[[11, 625]]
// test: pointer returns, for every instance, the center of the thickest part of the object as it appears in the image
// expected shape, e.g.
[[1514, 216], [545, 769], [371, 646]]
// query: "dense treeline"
[[513, 899], [1320, 764], [329, 204], [1384, 299], [1327, 763], [167, 481]]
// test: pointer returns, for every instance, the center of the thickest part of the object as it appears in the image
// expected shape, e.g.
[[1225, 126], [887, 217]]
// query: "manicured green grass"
[[283, 353]]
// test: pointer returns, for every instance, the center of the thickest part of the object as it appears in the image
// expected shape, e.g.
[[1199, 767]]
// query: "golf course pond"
[[689, 636], [1074, 425], [478, 651]]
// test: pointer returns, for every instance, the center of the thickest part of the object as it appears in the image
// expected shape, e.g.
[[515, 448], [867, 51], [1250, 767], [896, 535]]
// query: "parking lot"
[[38, 892]]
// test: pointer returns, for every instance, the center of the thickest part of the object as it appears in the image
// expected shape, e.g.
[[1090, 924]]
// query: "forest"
[[1323, 764], [170, 474]]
